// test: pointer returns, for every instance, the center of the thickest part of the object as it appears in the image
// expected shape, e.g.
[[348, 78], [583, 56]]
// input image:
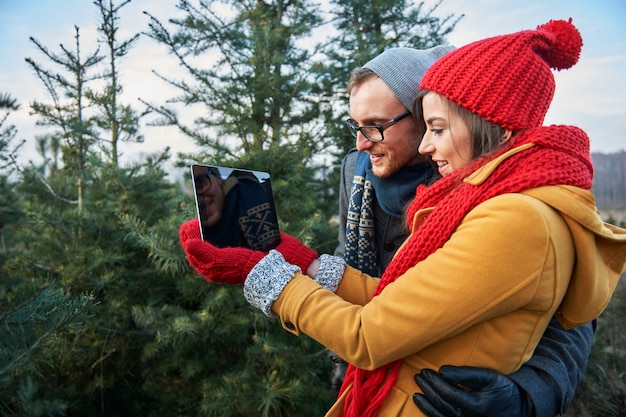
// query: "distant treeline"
[[609, 182]]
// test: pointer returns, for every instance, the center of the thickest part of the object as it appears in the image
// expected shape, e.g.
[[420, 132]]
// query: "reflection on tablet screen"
[[235, 207]]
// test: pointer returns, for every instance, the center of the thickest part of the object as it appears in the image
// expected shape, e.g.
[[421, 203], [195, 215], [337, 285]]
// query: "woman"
[[509, 237]]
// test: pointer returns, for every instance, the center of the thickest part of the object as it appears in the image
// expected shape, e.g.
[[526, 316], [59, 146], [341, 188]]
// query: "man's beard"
[[393, 165]]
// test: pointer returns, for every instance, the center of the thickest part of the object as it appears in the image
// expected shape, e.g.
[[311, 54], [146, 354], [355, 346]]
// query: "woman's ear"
[[506, 136]]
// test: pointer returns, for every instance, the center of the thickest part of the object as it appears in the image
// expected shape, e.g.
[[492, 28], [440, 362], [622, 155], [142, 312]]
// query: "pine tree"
[[8, 153], [260, 115], [33, 311], [7, 131], [66, 114], [120, 122], [33, 315], [253, 85], [78, 235]]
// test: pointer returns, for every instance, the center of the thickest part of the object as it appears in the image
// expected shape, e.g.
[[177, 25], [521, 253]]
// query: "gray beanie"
[[402, 69]]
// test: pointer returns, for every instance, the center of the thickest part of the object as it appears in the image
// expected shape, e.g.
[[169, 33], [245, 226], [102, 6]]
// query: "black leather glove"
[[470, 392], [337, 373]]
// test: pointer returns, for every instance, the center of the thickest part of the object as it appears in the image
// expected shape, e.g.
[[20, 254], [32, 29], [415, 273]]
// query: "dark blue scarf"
[[392, 193]]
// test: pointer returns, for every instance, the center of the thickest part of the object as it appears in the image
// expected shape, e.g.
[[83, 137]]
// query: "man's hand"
[[469, 392]]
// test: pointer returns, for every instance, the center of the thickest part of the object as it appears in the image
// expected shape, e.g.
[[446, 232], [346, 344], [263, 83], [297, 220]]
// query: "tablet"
[[235, 207]]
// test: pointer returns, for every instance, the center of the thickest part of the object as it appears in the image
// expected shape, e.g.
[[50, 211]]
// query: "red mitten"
[[295, 252], [225, 265], [232, 265], [189, 230]]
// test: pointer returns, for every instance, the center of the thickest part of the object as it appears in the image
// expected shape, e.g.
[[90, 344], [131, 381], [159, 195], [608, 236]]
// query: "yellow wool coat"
[[483, 299]]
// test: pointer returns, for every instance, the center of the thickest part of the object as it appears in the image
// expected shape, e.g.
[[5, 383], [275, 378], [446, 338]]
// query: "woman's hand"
[[231, 265]]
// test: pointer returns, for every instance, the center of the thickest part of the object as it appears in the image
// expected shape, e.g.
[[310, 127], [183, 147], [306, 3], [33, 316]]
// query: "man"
[[378, 179]]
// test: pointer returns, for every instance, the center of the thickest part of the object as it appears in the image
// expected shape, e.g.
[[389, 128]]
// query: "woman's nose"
[[426, 146]]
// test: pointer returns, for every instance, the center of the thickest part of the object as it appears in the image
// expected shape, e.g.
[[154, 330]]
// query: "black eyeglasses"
[[201, 181], [374, 133]]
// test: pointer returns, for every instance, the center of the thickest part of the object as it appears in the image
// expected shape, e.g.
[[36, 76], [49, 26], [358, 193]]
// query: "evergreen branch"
[[27, 352], [46, 185], [102, 358], [46, 304], [54, 194], [23, 305]]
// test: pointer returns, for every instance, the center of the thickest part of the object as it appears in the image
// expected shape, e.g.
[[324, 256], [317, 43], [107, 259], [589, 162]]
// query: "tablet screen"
[[235, 207]]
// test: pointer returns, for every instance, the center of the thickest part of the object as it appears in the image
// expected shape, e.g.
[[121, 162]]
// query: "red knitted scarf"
[[560, 156]]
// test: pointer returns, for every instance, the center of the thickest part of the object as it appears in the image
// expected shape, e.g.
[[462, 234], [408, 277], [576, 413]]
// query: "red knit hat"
[[507, 79]]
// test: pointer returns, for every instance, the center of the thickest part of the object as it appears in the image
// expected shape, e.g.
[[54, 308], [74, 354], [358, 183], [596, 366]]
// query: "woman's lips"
[[442, 167]]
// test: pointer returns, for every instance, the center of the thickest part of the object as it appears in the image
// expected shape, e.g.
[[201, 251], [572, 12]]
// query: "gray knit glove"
[[330, 272], [271, 275], [267, 280]]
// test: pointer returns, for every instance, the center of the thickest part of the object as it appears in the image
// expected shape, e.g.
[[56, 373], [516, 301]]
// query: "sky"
[[591, 95]]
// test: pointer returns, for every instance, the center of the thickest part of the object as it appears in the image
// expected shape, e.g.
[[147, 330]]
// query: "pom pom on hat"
[[567, 44], [507, 79]]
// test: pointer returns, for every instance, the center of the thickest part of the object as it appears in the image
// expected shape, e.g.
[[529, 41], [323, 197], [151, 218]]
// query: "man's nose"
[[362, 143]]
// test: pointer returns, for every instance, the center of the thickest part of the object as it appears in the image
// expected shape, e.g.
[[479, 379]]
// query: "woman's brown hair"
[[486, 137]]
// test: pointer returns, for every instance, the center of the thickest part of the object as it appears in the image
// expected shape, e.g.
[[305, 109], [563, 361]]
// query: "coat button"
[[290, 325]]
